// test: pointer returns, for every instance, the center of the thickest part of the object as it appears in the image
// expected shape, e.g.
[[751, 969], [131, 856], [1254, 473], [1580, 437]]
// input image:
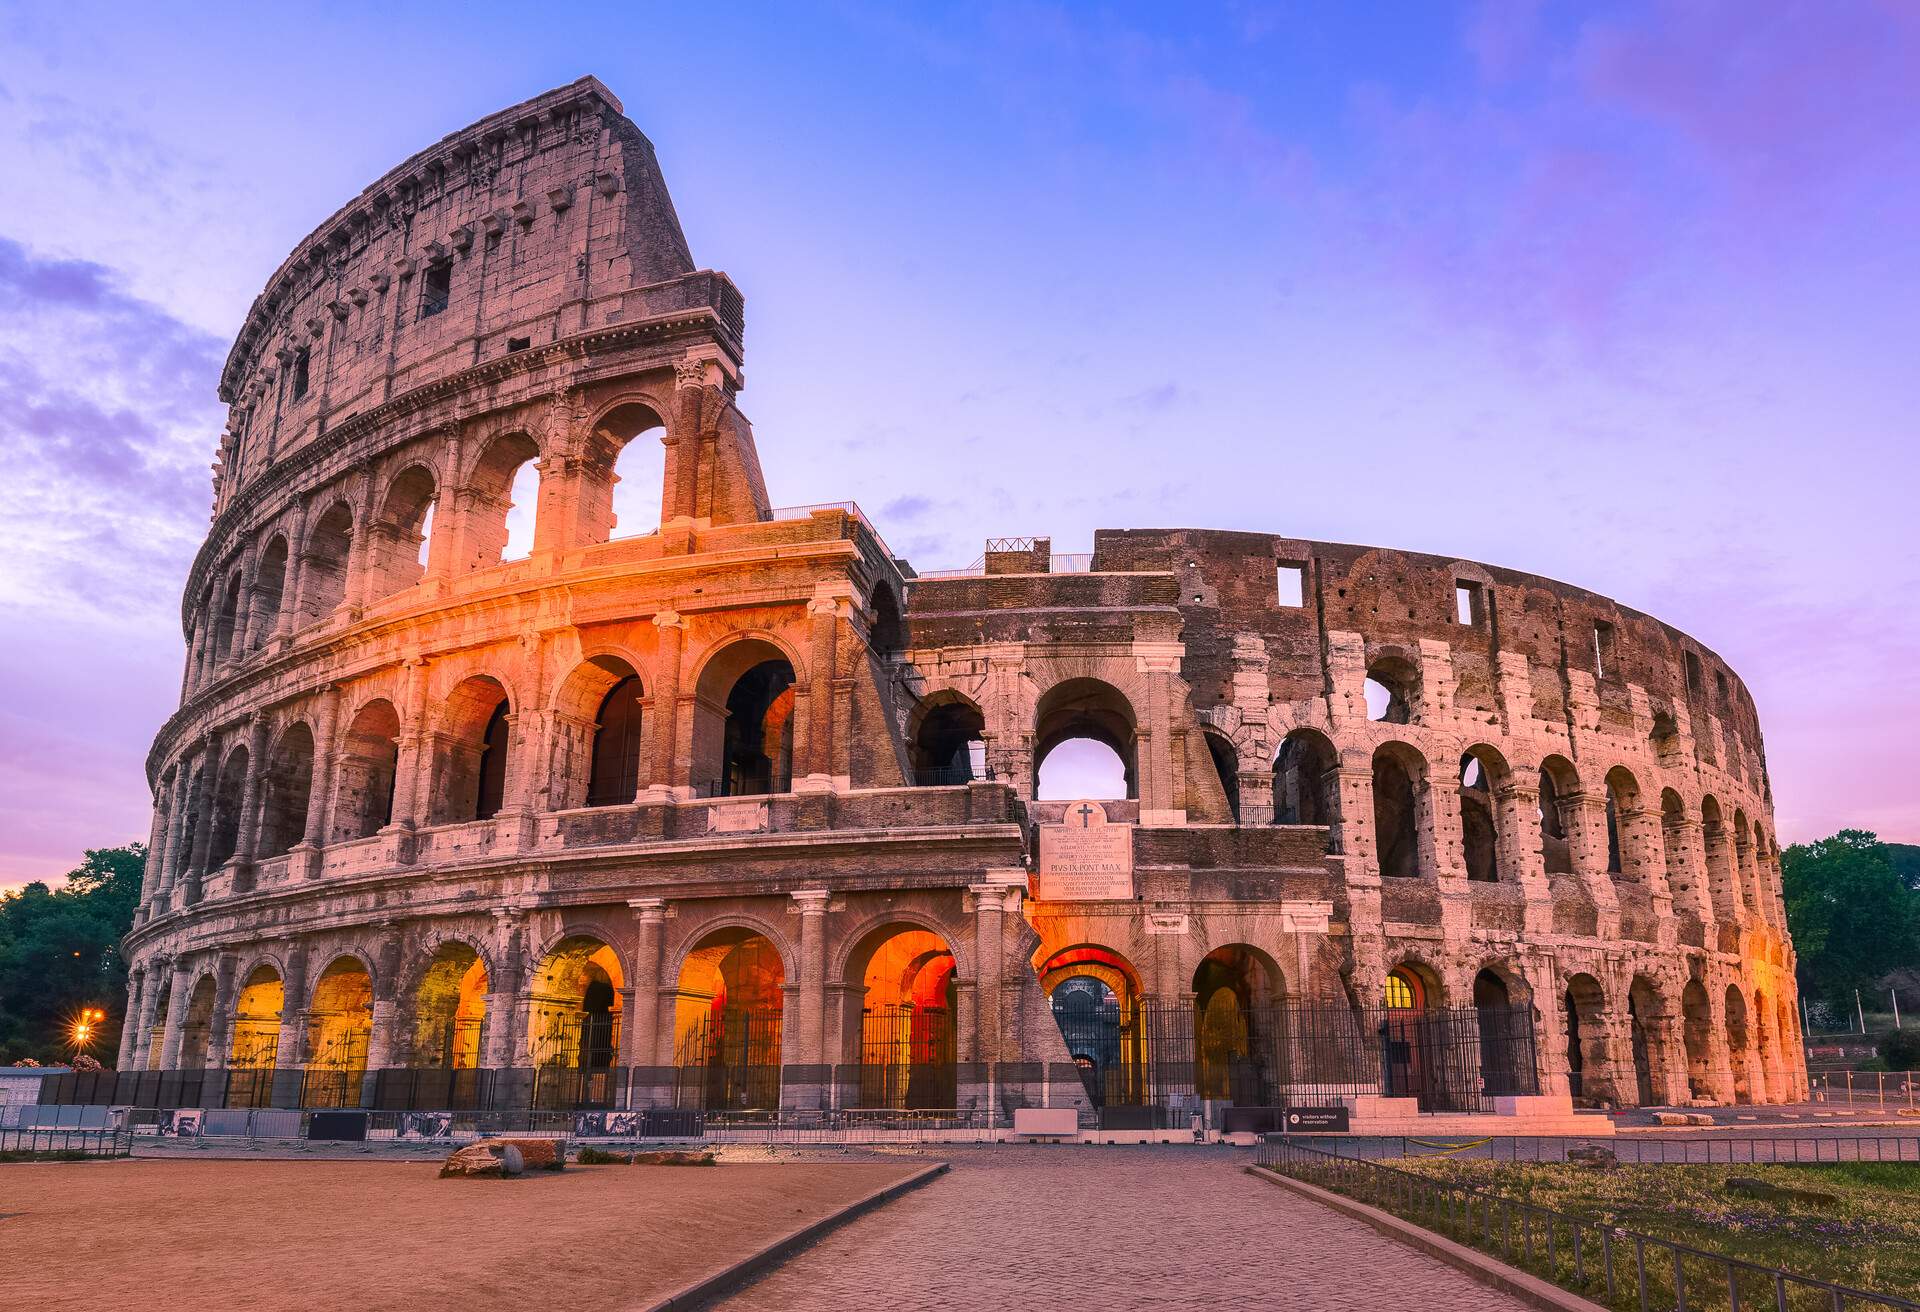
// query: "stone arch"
[[340, 1025], [323, 574], [729, 1016], [1225, 760], [1590, 1073], [1647, 1025], [397, 534], [257, 1008], [1739, 1049], [1696, 1033], [1392, 687], [743, 717], [1504, 1014], [229, 793], [1086, 709], [598, 733], [900, 988], [367, 774], [574, 1009], [1096, 995], [471, 752], [1722, 882], [269, 591], [230, 619], [1096, 961], [1673, 848], [1305, 780], [286, 790], [487, 497], [1559, 785], [1743, 864], [1400, 833], [1238, 1044], [886, 623], [1483, 771], [946, 736], [1426, 986], [1627, 855], [447, 1003], [841, 957], [626, 472]]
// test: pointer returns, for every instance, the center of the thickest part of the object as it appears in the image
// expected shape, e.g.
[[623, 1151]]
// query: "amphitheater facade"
[[735, 810]]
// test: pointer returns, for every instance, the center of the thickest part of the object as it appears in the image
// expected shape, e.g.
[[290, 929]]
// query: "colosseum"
[[482, 794]]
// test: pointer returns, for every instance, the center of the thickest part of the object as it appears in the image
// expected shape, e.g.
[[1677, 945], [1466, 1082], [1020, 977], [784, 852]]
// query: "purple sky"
[[1624, 294]]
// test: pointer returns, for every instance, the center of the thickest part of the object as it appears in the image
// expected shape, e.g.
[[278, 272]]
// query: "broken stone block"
[[484, 1160]]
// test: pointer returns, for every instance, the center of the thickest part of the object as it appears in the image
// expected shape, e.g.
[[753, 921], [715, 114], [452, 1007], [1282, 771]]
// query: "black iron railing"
[[1625, 1267], [41, 1140]]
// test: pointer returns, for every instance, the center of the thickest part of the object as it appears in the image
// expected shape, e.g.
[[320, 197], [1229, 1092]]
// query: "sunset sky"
[[1622, 294]]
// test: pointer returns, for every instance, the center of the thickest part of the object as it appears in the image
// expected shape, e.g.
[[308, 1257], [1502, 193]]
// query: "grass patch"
[[1869, 1238], [49, 1155]]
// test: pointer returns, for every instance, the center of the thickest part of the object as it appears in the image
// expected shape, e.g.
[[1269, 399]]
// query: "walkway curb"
[[733, 1276], [1529, 1289]]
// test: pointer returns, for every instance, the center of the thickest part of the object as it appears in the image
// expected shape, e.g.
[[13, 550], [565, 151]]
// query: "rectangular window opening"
[[1291, 589], [1693, 672], [435, 289], [1470, 604], [1602, 649], [518, 344], [301, 375]]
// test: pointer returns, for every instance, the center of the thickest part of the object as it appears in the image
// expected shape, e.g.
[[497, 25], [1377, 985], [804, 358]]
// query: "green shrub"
[[601, 1157], [1900, 1049]]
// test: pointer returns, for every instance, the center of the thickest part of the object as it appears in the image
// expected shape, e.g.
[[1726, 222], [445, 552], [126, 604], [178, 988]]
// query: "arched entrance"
[[450, 1010], [727, 1019], [573, 1024], [1091, 726], [743, 721], [339, 1023], [1589, 1073], [1737, 1046], [1696, 1017], [196, 1027], [906, 980], [1095, 997], [256, 1038], [1505, 1027], [1236, 1039]]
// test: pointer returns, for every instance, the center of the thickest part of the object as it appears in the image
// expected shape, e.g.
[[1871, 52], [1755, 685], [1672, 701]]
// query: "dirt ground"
[[375, 1235]]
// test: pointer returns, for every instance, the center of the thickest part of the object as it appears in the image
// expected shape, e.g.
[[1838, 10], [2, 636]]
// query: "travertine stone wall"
[[388, 736]]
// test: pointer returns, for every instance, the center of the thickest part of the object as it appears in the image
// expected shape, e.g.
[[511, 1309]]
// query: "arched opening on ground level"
[[1644, 1023], [728, 1012], [1505, 1031], [949, 743], [450, 1010], [157, 1036], [1237, 992], [1739, 1053], [196, 1027], [1589, 1069], [470, 757], [367, 772], [907, 1003], [339, 1024], [1696, 1018], [1094, 993], [573, 1019], [256, 1020], [288, 787], [743, 721], [1083, 743]]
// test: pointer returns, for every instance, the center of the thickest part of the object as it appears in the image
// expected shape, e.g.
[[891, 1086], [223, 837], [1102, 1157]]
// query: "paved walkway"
[[1048, 1227]]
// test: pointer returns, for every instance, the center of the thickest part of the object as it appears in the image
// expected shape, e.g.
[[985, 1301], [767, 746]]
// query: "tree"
[[60, 953], [1852, 917]]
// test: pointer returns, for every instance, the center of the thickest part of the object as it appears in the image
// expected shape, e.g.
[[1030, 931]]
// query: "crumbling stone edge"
[[1529, 1289], [729, 1278]]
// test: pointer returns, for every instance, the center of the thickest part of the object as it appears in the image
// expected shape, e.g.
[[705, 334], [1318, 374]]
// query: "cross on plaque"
[[1084, 812]]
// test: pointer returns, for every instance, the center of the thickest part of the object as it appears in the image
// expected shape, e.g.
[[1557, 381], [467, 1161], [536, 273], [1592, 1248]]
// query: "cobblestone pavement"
[[1048, 1227]]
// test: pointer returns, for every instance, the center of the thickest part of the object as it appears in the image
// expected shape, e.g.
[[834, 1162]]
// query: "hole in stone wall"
[[1291, 584]]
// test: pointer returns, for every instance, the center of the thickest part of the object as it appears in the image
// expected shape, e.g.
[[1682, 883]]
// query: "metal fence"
[[85, 1143], [1788, 1148], [1629, 1269], [1879, 1089]]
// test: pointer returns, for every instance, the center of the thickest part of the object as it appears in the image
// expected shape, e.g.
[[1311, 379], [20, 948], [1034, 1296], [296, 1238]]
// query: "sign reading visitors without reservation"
[[1085, 859]]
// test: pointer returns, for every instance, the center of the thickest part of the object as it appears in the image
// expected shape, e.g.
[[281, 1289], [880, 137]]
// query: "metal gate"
[[730, 1061], [907, 1057]]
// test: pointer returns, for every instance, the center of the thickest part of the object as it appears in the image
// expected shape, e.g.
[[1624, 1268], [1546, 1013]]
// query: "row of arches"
[[426, 510]]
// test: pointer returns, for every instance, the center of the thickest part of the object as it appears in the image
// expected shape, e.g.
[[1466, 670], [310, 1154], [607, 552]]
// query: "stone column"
[[663, 772], [320, 787], [247, 840], [990, 902], [176, 1017], [643, 1016], [290, 595], [290, 1048], [156, 986], [1159, 775], [130, 1024], [220, 1025], [504, 984], [813, 765], [812, 904]]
